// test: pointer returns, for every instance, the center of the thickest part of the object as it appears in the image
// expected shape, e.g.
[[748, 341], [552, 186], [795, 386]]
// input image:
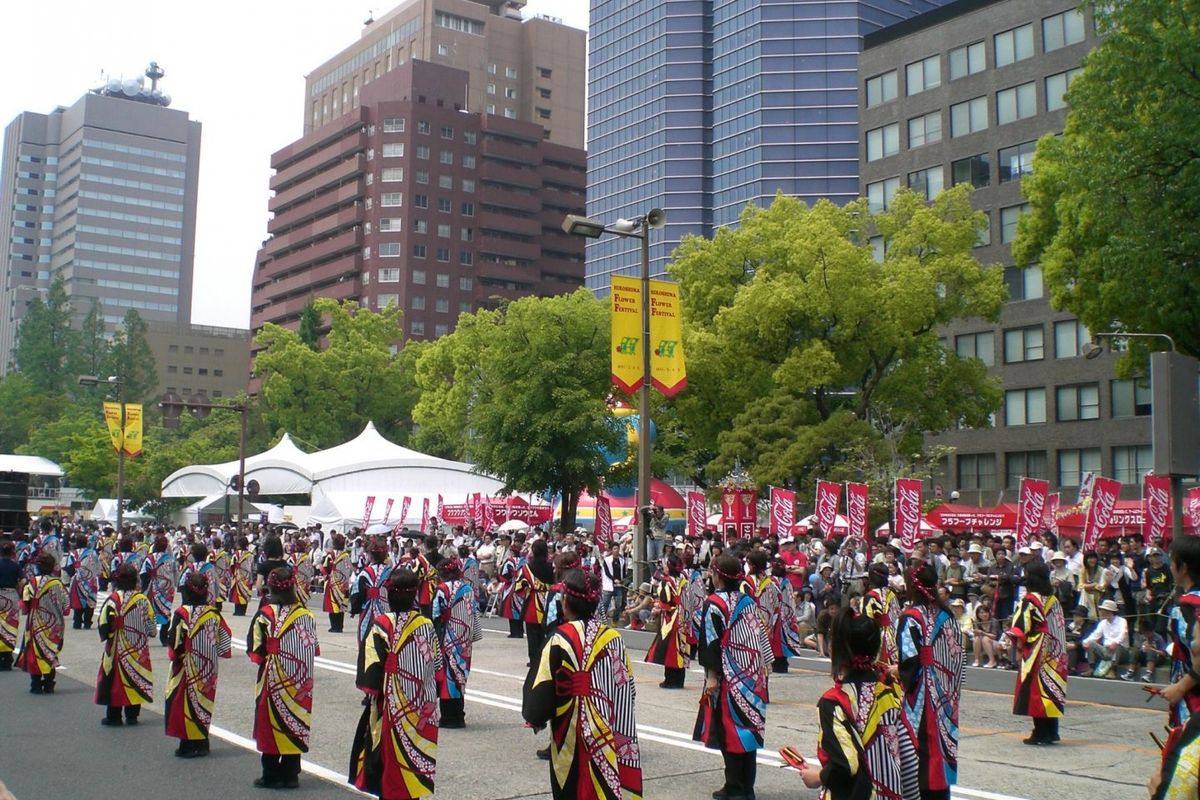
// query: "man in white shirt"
[[1109, 642], [1073, 554], [486, 553], [612, 582]]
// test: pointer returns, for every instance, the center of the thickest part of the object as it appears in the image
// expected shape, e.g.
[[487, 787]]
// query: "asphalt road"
[[54, 747]]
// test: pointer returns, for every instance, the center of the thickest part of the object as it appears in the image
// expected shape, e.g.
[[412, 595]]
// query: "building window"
[[1078, 402], [881, 193], [1024, 464], [391, 199], [466, 284], [418, 302], [444, 205], [468, 161], [1019, 102], [968, 117], [981, 345], [967, 60], [390, 224], [1056, 89], [393, 125], [441, 305], [1062, 29], [927, 182], [510, 113], [420, 226], [510, 93], [447, 132], [443, 231], [420, 201], [173, 348], [445, 181], [1131, 398], [1024, 283], [977, 471], [1069, 338], [419, 251], [389, 274], [466, 258], [187, 370], [1130, 464], [510, 72], [422, 176], [218, 373], [416, 328], [392, 174], [925, 129], [443, 280], [443, 50], [423, 127], [464, 307], [172, 369], [423, 152], [469, 137], [443, 255], [446, 156], [1074, 464], [975, 170], [923, 74], [418, 277], [883, 142], [1025, 407], [878, 248], [1016, 161], [1014, 45], [1024, 344], [467, 234], [491, 88], [468, 185], [389, 249], [1008, 221], [467, 209], [882, 88]]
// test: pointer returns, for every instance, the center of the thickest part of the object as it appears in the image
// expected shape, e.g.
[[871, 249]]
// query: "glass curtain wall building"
[[699, 107]]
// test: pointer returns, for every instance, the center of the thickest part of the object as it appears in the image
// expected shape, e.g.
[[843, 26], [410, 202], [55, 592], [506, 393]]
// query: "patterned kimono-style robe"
[[767, 594], [1181, 627], [210, 573], [733, 643], [83, 564], [671, 645], [932, 667], [241, 577], [283, 643], [160, 573], [1041, 634], [584, 689], [532, 591], [10, 617], [456, 618], [199, 637], [305, 571], [512, 604], [883, 606], [394, 754], [126, 623], [337, 568], [370, 597], [865, 746], [789, 623], [44, 601]]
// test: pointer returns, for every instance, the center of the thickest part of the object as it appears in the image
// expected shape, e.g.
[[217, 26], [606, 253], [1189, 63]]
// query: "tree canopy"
[[803, 345], [1114, 200]]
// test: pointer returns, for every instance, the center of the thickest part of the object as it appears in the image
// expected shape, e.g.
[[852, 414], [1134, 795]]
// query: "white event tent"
[[284, 469]]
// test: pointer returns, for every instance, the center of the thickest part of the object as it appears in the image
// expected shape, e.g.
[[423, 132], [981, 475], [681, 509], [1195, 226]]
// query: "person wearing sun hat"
[[1109, 641], [1062, 580]]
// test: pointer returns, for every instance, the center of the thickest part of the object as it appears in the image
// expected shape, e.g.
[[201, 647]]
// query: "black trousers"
[[164, 633], [1045, 730], [280, 769], [674, 676], [780, 665], [454, 712], [82, 617], [193, 745], [131, 713], [535, 637], [239, 609], [516, 629], [6, 662], [337, 621], [741, 769], [42, 684]]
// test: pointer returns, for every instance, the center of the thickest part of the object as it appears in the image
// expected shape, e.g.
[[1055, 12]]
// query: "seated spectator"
[[1149, 649], [1108, 644], [987, 637], [958, 608], [806, 617], [832, 603], [896, 579], [639, 609], [1077, 630]]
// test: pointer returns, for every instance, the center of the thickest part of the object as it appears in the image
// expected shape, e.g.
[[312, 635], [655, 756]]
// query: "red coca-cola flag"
[[1156, 506], [604, 522], [1191, 510], [829, 496], [1031, 508], [367, 511], [783, 511], [387, 510], [695, 513], [477, 508], [857, 496], [439, 509], [1050, 518], [489, 515], [907, 505], [425, 515], [404, 506], [1105, 492]]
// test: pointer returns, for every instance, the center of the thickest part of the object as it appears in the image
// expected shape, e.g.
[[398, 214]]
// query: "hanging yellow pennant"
[[668, 370], [133, 429], [112, 418], [627, 333]]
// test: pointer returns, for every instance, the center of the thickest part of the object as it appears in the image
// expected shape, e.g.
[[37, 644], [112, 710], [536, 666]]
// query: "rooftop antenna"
[[370, 20], [155, 73]]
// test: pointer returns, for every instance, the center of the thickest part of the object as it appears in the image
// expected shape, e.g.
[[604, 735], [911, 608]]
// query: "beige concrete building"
[[532, 70], [200, 359]]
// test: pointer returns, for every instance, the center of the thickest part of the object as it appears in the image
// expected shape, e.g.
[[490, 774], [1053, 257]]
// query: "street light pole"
[[119, 383]]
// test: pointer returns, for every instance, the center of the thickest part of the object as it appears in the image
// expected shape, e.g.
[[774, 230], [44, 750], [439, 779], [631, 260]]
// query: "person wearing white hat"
[[1109, 642], [1062, 580]]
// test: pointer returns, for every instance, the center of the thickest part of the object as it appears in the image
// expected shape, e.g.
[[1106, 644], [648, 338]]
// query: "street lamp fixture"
[[114, 380], [637, 228], [1094, 348]]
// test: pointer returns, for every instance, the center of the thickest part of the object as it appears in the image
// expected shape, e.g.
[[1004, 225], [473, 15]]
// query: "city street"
[[55, 747]]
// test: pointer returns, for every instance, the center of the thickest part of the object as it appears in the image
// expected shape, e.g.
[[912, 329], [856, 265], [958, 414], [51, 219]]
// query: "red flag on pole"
[[1156, 506], [1050, 518], [404, 505], [477, 508], [829, 496], [367, 511], [439, 508], [1031, 508], [387, 510], [695, 513], [1105, 492], [425, 515], [489, 514], [783, 511], [1191, 509], [907, 504], [857, 495], [603, 530]]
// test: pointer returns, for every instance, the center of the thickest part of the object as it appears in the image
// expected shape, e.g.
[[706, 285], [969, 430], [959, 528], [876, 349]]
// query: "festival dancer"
[[670, 645], [48, 542], [785, 642], [125, 681], [10, 604], [426, 567], [106, 545], [865, 748], [158, 582], [394, 754], [735, 653], [512, 603], [337, 568], [1040, 634], [532, 583], [305, 570], [931, 670], [199, 637], [198, 562], [456, 619], [125, 555], [584, 689], [44, 601], [882, 605], [83, 566], [241, 577], [222, 577], [762, 586], [369, 598], [283, 643]]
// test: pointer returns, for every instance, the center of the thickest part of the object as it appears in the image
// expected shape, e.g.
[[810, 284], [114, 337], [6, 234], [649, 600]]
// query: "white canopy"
[[284, 469], [346, 510], [105, 510], [30, 465], [215, 504]]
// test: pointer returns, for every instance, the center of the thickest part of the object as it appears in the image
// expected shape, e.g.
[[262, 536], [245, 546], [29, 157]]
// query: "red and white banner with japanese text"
[[387, 511], [857, 496], [1105, 492], [1031, 508], [439, 509], [367, 511], [1156, 507], [696, 517], [604, 523], [783, 511], [476, 503], [829, 497], [1050, 517], [489, 515], [405, 504], [425, 515], [907, 505]]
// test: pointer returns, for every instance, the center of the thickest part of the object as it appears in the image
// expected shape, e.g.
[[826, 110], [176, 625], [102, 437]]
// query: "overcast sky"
[[238, 67]]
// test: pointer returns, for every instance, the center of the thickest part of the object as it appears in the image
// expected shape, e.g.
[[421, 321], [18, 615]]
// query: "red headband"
[[281, 581]]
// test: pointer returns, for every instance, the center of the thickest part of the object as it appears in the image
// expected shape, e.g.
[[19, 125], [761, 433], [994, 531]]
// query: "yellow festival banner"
[[112, 418], [627, 333], [133, 429], [668, 371]]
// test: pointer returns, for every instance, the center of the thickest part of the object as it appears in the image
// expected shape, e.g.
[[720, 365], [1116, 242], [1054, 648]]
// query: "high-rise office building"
[[960, 95], [701, 107], [525, 69], [102, 193]]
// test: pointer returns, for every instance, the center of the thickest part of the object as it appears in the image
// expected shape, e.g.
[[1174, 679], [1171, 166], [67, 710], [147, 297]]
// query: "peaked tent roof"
[[31, 465], [369, 451], [284, 469]]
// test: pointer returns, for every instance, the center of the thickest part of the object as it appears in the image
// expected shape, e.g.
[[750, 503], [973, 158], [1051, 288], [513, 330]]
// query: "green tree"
[[90, 354], [802, 346], [1114, 200], [327, 396], [78, 442], [131, 359], [25, 409], [310, 325], [521, 392], [45, 341]]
